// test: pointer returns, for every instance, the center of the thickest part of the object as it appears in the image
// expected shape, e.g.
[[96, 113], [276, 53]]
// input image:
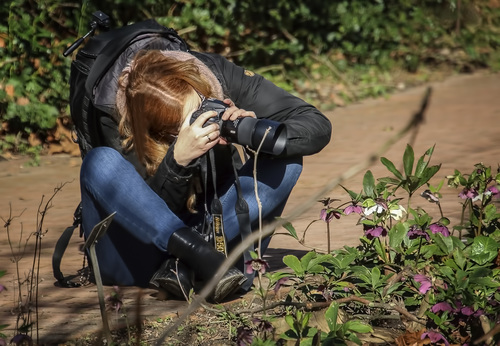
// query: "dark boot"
[[190, 247], [174, 277]]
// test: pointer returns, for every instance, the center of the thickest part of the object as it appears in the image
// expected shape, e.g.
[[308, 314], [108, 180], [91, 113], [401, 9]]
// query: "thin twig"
[[256, 189], [321, 305]]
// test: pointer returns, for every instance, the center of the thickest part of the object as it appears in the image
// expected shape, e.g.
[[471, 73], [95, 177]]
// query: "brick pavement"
[[462, 120]]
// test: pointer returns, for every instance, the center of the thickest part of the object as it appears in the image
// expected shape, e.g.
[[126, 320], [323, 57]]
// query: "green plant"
[[445, 282], [354, 46]]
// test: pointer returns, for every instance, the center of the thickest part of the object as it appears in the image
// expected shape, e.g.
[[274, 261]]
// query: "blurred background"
[[330, 53]]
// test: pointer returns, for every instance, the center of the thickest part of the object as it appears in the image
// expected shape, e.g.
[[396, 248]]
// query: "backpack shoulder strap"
[[60, 249]]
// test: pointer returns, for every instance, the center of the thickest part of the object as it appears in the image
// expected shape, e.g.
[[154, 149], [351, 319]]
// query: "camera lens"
[[251, 131]]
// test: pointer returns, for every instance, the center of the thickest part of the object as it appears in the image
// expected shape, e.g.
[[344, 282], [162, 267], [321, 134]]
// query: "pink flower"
[[115, 299], [375, 232], [439, 228], [353, 209], [257, 265], [468, 193], [492, 190], [328, 214], [279, 284], [443, 306], [425, 283], [435, 337]]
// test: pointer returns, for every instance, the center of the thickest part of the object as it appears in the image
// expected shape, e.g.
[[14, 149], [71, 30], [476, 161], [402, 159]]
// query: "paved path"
[[462, 121]]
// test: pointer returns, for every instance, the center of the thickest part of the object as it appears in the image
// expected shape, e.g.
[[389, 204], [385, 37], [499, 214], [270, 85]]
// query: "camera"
[[246, 130]]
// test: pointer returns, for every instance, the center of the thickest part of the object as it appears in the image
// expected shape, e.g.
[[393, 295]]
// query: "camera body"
[[246, 130]]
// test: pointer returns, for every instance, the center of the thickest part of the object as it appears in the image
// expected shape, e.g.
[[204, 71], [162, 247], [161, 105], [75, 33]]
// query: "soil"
[[462, 121]]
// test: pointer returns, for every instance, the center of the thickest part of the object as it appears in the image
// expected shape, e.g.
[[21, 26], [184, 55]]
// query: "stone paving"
[[462, 121]]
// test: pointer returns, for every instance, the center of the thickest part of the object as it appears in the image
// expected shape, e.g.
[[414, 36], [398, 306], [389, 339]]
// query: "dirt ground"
[[462, 121]]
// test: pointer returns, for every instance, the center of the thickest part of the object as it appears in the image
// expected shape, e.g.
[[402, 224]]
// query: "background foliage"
[[332, 52]]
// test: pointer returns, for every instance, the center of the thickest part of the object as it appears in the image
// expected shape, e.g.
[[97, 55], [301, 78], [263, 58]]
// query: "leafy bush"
[[444, 283], [295, 43]]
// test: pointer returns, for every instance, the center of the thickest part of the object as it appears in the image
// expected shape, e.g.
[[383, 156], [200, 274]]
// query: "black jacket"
[[308, 130]]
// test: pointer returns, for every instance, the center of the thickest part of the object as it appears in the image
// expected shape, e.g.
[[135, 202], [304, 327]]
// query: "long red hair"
[[159, 92]]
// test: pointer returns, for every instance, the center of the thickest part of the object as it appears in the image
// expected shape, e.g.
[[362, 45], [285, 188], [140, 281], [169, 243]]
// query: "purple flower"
[[353, 208], [492, 190], [328, 214], [425, 282], [443, 306], [478, 312], [414, 232], [244, 336], [263, 325], [468, 193], [258, 265], [279, 284], [114, 300], [429, 196], [2, 288], [375, 232], [467, 311], [435, 337], [22, 339], [439, 228]]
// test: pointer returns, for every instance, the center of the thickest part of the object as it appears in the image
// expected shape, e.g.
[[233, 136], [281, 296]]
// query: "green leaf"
[[390, 181], [390, 166], [380, 249], [408, 159], [358, 327], [485, 282], [428, 173], [294, 263], [369, 184], [483, 250], [289, 227], [459, 257], [331, 317], [445, 244], [397, 234], [375, 277]]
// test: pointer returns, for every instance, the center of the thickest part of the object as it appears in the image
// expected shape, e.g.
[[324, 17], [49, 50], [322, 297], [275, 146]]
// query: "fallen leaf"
[[9, 89]]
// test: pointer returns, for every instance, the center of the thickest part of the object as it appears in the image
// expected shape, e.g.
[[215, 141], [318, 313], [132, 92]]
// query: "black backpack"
[[95, 71], [93, 85]]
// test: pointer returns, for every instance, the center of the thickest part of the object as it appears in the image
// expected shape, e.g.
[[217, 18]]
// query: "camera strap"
[[216, 210], [242, 214]]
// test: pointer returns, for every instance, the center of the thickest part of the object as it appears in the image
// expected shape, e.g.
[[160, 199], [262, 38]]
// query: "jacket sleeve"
[[172, 181], [308, 130]]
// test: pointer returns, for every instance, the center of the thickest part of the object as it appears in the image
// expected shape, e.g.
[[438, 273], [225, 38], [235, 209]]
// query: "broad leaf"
[[294, 263], [331, 317], [483, 250]]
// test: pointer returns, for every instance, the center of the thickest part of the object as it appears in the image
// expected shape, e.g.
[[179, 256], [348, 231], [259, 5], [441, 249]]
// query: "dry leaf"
[[23, 101], [9, 89]]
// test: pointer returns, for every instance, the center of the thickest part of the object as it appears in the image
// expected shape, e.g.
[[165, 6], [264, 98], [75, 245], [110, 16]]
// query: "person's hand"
[[194, 140], [233, 113]]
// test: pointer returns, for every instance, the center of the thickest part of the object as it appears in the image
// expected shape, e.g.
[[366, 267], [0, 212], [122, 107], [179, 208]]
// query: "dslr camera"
[[245, 131]]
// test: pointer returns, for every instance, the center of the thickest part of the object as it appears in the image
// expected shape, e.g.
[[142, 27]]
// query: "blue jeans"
[[135, 244]]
